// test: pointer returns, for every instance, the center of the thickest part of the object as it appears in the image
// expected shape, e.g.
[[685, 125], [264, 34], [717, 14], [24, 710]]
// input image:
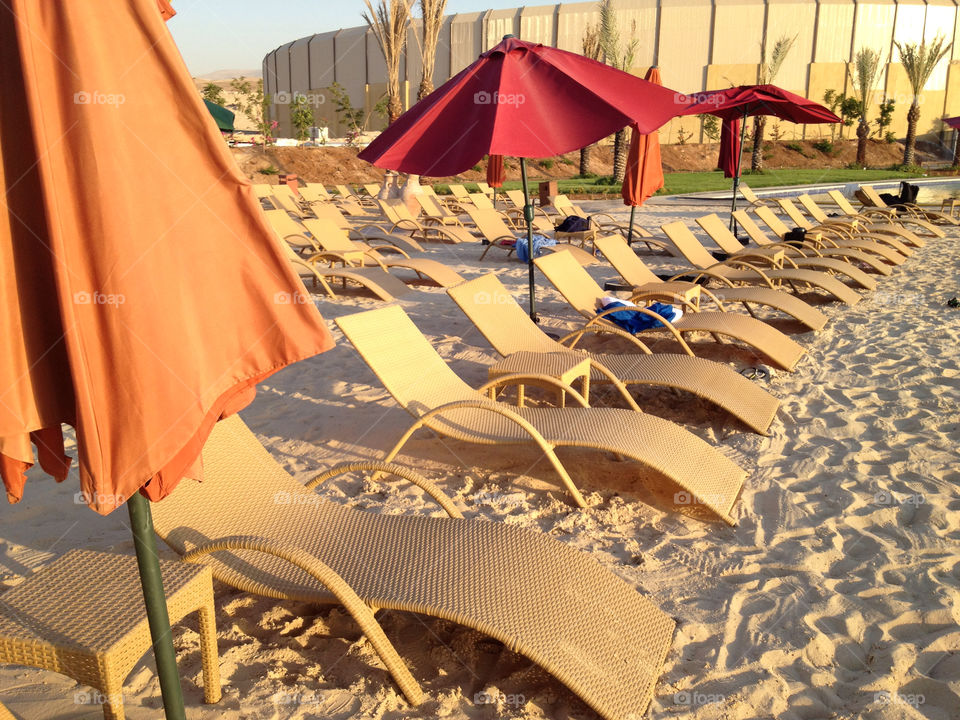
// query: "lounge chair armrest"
[[574, 337], [331, 257], [733, 262], [756, 256], [532, 378], [443, 500], [671, 299], [601, 316], [387, 247], [300, 262], [358, 609]]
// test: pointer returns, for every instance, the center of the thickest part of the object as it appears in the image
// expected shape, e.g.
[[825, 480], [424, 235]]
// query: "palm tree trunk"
[[913, 117], [863, 132], [585, 153], [426, 87], [620, 155], [756, 161]]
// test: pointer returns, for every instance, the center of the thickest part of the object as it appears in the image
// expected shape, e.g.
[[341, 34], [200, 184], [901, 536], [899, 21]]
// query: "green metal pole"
[[736, 178], [633, 212], [145, 542], [528, 216]]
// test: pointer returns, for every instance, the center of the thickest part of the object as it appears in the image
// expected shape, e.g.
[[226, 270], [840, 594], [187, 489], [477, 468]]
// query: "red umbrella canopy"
[[953, 122], [729, 147], [495, 171], [739, 102], [142, 293], [520, 99]]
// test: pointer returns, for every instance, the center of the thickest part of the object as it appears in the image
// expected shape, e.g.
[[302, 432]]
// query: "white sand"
[[836, 596]]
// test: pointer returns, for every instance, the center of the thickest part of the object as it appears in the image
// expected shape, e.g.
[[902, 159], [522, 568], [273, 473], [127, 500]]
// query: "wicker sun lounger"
[[645, 283], [509, 330], [263, 532], [582, 292], [839, 261], [871, 198], [375, 280], [841, 231], [885, 216], [400, 217], [491, 225], [806, 252], [855, 225], [424, 385], [335, 243], [367, 232], [685, 245]]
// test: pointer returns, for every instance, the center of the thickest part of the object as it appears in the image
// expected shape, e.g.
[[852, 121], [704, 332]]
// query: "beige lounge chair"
[[867, 244], [400, 216], [424, 385], [583, 293], [751, 197], [646, 284], [481, 201], [855, 225], [803, 252], [509, 329], [314, 192], [871, 198], [838, 261], [884, 217], [263, 532], [375, 280], [685, 245], [485, 189], [461, 194], [348, 193], [838, 231], [607, 224], [367, 232], [437, 211], [332, 240], [495, 231]]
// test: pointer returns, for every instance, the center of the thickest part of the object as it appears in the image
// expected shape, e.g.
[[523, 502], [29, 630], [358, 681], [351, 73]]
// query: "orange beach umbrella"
[[142, 295], [644, 171]]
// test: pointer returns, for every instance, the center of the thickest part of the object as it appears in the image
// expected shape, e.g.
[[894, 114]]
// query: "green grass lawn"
[[682, 183]]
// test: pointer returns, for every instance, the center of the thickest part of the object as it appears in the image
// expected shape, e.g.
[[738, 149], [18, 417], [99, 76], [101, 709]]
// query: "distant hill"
[[230, 74]]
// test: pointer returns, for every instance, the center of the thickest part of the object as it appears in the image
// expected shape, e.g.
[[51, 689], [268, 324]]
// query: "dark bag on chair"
[[795, 237], [573, 223]]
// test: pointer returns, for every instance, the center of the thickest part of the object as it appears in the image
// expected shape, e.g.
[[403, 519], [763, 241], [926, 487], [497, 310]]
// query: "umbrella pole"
[[736, 178], [528, 216], [145, 542], [633, 212]]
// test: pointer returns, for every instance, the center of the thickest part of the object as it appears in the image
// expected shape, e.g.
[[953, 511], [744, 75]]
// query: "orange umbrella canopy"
[[495, 171], [644, 171], [142, 295]]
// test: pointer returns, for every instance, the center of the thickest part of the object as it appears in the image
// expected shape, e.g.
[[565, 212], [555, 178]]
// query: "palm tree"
[[621, 57], [591, 49], [768, 71], [866, 63], [432, 11], [389, 22], [919, 60]]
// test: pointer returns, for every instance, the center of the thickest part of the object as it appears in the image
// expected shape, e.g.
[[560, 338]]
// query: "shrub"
[[546, 164], [795, 146], [268, 170], [824, 146], [890, 138]]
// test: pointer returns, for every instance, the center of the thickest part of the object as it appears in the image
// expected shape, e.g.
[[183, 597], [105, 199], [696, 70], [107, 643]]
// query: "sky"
[[236, 34]]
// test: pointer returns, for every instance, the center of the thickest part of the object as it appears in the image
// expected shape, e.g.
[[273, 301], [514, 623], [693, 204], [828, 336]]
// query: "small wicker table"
[[950, 206], [565, 367], [83, 616]]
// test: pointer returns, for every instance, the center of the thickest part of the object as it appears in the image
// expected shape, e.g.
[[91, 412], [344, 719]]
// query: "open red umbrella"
[[520, 99], [644, 171], [738, 103], [142, 294]]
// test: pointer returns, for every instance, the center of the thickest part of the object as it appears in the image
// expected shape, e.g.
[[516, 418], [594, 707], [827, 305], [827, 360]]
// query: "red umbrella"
[[730, 147], [142, 293], [521, 99], [644, 172], [953, 122], [737, 103]]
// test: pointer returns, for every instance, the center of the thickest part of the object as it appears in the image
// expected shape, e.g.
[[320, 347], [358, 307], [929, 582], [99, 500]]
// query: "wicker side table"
[[566, 367], [83, 616]]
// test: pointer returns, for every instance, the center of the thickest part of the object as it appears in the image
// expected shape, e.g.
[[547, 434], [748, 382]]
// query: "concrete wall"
[[698, 45]]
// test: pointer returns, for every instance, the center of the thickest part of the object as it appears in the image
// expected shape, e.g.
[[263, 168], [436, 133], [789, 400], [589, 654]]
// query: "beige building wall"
[[697, 44]]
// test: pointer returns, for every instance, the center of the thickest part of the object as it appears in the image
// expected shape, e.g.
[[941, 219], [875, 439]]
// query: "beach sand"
[[837, 595]]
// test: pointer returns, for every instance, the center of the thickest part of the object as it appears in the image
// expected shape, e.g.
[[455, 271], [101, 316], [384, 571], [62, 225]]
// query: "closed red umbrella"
[[730, 147], [495, 174], [520, 99], [737, 103], [644, 172], [142, 294]]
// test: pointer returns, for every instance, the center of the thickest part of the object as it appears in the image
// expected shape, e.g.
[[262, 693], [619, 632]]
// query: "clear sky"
[[236, 34]]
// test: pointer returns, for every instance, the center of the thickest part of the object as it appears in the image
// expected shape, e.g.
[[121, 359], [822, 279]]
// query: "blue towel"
[[539, 242], [634, 322]]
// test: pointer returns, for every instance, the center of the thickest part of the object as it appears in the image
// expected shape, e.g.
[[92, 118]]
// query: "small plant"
[[585, 176], [301, 116], [255, 105], [825, 146], [546, 164], [885, 119], [796, 147], [478, 167], [213, 93], [711, 126], [605, 180], [777, 132], [268, 170], [848, 108], [890, 138], [567, 161], [910, 169], [683, 136]]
